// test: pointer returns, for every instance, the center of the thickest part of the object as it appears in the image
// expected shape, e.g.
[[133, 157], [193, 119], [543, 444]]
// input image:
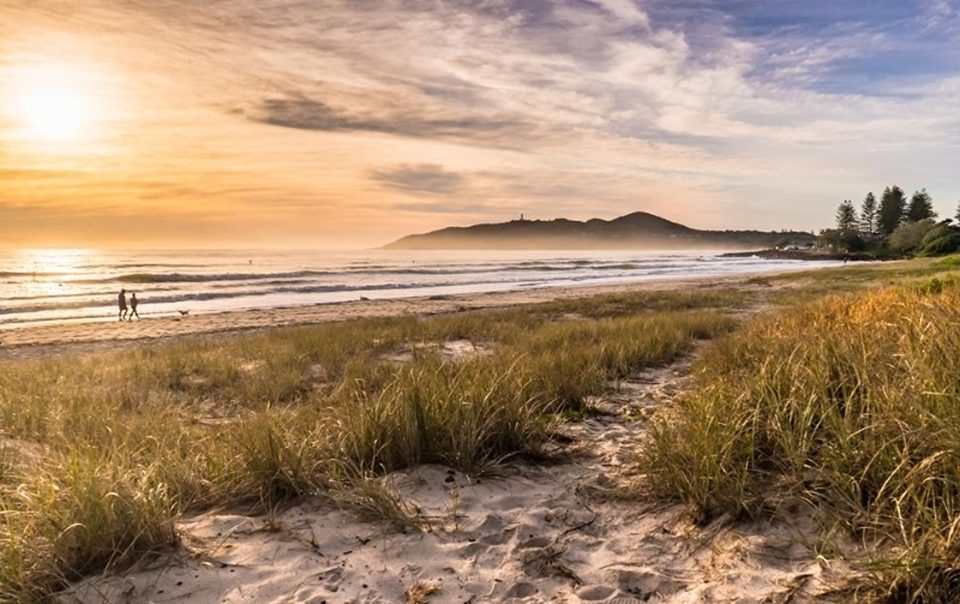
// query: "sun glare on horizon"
[[53, 103]]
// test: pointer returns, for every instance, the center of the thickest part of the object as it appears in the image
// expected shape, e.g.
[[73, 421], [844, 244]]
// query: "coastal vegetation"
[[100, 455], [892, 228], [846, 405]]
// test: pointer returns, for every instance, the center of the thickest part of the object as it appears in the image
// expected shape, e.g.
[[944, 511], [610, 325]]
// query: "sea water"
[[55, 285]]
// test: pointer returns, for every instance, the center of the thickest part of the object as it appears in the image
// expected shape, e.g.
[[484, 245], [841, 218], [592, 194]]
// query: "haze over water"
[[42, 286]]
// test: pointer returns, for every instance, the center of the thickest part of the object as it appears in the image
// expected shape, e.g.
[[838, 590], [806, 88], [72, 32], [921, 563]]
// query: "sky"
[[323, 124]]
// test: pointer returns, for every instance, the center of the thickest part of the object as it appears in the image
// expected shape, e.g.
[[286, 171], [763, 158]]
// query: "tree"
[[868, 216], [921, 207], [846, 217], [892, 206], [836, 239], [958, 212]]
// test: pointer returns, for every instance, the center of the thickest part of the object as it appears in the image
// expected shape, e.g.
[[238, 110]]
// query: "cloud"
[[624, 10], [420, 179], [307, 114], [524, 75], [939, 15], [468, 208]]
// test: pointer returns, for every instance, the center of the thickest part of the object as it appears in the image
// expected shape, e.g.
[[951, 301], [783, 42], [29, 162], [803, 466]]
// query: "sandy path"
[[69, 338], [547, 533]]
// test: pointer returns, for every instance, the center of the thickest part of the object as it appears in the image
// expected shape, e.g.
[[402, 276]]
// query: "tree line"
[[895, 225]]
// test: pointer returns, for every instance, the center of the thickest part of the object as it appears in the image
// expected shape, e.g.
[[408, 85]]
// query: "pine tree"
[[892, 207], [921, 207], [846, 217], [868, 216]]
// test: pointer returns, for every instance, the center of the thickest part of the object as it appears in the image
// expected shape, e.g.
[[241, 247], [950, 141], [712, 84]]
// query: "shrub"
[[942, 239], [907, 237]]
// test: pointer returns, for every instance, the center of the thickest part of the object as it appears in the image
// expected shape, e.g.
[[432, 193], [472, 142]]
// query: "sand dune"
[[557, 533]]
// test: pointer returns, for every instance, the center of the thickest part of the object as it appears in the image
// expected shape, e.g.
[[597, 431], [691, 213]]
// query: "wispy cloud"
[[308, 114], [625, 10], [420, 179]]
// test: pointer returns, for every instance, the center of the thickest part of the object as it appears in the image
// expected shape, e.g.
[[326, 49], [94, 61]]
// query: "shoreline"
[[103, 336], [810, 256]]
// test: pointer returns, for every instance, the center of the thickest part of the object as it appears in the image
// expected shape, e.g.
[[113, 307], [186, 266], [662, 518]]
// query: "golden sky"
[[256, 123]]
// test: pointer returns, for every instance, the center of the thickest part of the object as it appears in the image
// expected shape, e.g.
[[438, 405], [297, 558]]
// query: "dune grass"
[[850, 404], [101, 455], [806, 286]]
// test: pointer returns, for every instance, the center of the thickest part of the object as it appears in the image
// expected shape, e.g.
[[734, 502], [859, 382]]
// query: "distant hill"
[[639, 230]]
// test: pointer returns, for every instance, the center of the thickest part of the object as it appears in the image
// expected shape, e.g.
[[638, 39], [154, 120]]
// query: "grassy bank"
[[790, 289], [850, 404], [102, 454]]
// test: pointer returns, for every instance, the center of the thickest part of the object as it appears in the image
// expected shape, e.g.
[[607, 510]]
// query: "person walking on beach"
[[122, 303], [133, 306]]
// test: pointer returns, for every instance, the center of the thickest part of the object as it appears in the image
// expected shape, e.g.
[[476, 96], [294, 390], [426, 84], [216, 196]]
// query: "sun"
[[52, 103]]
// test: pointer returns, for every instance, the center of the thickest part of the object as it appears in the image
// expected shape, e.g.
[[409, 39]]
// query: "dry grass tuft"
[[420, 592]]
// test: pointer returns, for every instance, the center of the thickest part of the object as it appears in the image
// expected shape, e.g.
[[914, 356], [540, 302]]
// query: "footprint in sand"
[[521, 590], [331, 577], [644, 583], [498, 538], [535, 542], [472, 550], [595, 593]]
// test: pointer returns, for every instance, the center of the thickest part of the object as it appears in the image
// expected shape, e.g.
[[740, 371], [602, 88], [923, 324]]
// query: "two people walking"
[[122, 303]]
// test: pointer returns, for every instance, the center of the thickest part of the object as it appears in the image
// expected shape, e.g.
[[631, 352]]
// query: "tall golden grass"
[[102, 454], [850, 404]]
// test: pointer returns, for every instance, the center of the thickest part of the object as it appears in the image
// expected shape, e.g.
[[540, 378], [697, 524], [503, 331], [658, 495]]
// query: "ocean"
[[45, 286]]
